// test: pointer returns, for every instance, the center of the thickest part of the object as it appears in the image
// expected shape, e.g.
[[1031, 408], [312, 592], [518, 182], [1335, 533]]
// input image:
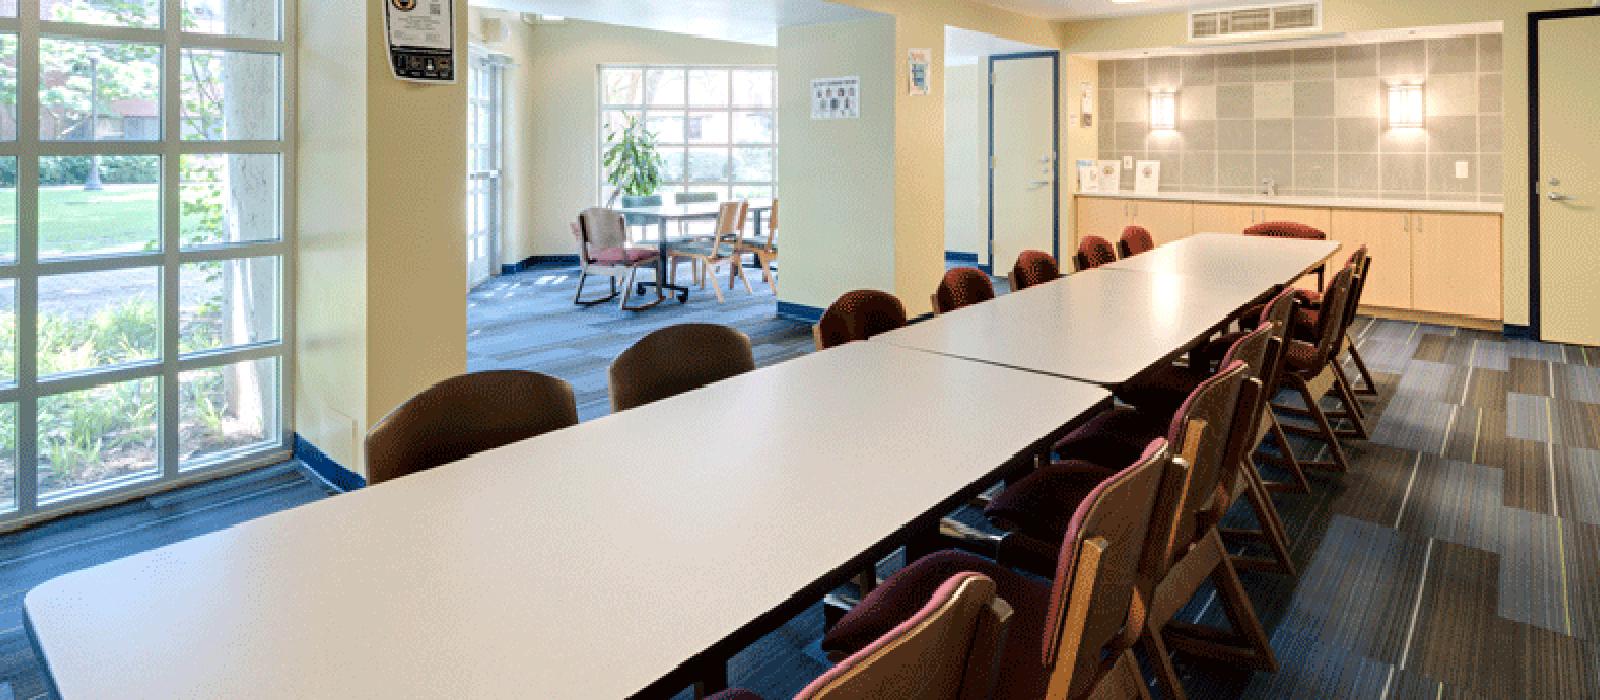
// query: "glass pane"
[[708, 88], [99, 319], [117, 13], [98, 435], [226, 303], [8, 210], [668, 128], [673, 170], [8, 453], [257, 19], [708, 164], [752, 127], [623, 86], [8, 332], [124, 81], [752, 164], [229, 198], [752, 88], [98, 205], [225, 409], [708, 127], [615, 121], [229, 95], [664, 87], [8, 8], [8, 83]]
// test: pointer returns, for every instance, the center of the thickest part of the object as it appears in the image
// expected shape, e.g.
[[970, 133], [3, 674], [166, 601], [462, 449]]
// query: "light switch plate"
[[1463, 171], [1127, 162]]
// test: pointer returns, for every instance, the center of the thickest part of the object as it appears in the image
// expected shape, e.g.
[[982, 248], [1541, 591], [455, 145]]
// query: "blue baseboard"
[[330, 471], [799, 312], [1518, 332], [955, 257], [537, 260]]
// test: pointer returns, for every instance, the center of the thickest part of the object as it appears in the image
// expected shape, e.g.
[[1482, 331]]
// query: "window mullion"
[[171, 243], [27, 256]]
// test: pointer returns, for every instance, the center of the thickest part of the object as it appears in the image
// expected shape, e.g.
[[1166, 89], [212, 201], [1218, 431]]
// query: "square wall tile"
[[1442, 174], [1274, 100], [1133, 105], [1197, 102], [1358, 172], [1400, 59], [1236, 135], [1403, 172], [1315, 171], [1236, 101], [1164, 73], [1453, 134], [1313, 64], [1171, 166], [1274, 135], [1163, 141], [1108, 137], [1315, 135], [1274, 65], [1356, 61], [1236, 68], [1452, 94], [1236, 170], [1130, 135], [1130, 73], [1278, 167], [1200, 169], [1313, 99], [1392, 140], [1453, 55], [1199, 70], [1199, 134], [1491, 138], [1490, 100], [1358, 97], [1492, 180], [1359, 134], [1108, 74], [1489, 53]]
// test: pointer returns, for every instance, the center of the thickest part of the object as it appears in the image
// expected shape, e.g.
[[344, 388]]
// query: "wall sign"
[[422, 39], [836, 98], [921, 62]]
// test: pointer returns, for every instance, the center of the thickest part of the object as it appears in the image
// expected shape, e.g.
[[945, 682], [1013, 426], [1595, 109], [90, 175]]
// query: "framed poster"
[[920, 62], [422, 39], [1147, 176], [1110, 176], [1088, 176], [836, 98]]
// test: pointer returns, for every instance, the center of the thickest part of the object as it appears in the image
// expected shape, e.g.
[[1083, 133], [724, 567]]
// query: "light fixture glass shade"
[[1163, 111], [1406, 107]]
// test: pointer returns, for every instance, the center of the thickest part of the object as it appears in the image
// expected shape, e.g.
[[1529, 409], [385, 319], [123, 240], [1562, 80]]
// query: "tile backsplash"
[[1313, 120]]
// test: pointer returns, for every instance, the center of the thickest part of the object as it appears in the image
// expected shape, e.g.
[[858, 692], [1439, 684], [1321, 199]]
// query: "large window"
[[143, 261], [717, 126]]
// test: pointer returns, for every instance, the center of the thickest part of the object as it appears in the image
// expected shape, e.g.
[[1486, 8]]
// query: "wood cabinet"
[[1387, 235], [1456, 264], [1322, 219], [1098, 216], [1166, 221], [1103, 217], [1223, 218]]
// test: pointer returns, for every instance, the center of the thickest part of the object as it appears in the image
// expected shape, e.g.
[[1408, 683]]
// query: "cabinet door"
[[1456, 264], [1319, 218], [1099, 216], [1387, 236], [1222, 218], [1166, 221]]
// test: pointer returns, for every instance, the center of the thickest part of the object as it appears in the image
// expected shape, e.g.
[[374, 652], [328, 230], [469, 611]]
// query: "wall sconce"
[[1406, 110], [1163, 111]]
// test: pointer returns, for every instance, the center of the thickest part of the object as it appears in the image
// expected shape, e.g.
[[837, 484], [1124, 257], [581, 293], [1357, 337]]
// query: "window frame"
[[28, 389]]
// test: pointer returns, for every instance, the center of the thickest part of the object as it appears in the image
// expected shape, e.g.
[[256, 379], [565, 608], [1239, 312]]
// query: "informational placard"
[[921, 62], [1088, 176], [1147, 177], [836, 98], [1110, 176], [422, 39]]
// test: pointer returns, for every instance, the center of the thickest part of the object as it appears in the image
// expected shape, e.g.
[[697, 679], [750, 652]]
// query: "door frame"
[[497, 64], [1055, 134], [1535, 189]]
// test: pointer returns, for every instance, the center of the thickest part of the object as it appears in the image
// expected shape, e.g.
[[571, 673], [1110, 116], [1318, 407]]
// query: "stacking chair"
[[1312, 326], [1309, 370], [1291, 229], [1071, 637], [1094, 251], [719, 249], [603, 250], [1307, 321], [859, 315], [949, 649], [1135, 240], [677, 359], [1033, 268], [764, 248], [465, 415], [961, 287]]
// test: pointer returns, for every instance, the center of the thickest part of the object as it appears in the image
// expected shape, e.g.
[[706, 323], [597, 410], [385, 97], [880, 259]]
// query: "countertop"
[[1293, 201]]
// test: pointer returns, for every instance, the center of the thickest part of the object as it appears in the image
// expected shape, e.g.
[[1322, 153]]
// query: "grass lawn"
[[118, 219]]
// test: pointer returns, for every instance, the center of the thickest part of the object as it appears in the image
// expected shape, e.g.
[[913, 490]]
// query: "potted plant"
[[633, 166]]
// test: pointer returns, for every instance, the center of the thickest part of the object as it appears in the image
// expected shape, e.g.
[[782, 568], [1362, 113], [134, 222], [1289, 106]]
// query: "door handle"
[[1558, 197]]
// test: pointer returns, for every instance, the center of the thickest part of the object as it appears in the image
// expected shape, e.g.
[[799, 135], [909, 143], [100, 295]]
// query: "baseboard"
[[1518, 332], [323, 466], [1436, 319], [799, 312], [533, 261], [957, 257]]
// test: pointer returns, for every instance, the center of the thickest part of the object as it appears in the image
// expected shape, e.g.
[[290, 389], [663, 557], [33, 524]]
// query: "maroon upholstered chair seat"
[[1114, 437], [625, 256], [1094, 251], [1286, 229], [1136, 240], [1033, 506], [1302, 357], [1034, 268], [1162, 391], [962, 286]]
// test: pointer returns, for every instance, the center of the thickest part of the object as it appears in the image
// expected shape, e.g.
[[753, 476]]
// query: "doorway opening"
[[485, 158]]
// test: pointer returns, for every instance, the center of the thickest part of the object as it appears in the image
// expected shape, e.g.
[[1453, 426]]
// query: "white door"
[[483, 167], [1024, 149], [1569, 181]]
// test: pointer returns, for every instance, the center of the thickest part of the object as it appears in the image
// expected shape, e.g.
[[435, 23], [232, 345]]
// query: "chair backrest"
[[1094, 251], [1097, 575], [1335, 307], [677, 359], [1136, 240], [949, 650], [1034, 268], [772, 219], [465, 415], [730, 226], [1360, 264], [1276, 316], [962, 286], [1286, 229], [1202, 435], [601, 229], [859, 315]]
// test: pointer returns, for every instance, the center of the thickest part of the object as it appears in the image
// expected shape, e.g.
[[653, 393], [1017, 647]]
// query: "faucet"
[[1269, 187]]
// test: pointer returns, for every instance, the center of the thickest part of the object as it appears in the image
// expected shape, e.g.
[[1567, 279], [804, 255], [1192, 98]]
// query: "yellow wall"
[[966, 149], [553, 121], [1359, 15], [381, 237]]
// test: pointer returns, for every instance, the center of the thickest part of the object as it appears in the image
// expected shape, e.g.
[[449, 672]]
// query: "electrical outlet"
[[1463, 171], [1127, 162]]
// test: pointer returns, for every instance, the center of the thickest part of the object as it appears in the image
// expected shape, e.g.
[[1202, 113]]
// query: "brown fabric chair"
[[859, 315], [1094, 251], [1135, 240], [1308, 372], [1291, 229], [677, 359], [465, 415], [962, 286], [603, 250], [1034, 268]]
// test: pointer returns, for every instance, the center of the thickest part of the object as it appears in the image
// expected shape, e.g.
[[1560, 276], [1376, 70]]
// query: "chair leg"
[[627, 289], [738, 269], [583, 275], [1324, 431], [1247, 644], [1369, 386], [1353, 410], [1155, 649], [711, 274], [1272, 531], [1287, 462]]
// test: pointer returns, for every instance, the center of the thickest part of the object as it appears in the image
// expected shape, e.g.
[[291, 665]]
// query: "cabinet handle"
[[1419, 223]]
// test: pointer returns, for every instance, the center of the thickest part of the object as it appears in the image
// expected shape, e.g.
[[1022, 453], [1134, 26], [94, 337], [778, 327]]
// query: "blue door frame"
[[1055, 135]]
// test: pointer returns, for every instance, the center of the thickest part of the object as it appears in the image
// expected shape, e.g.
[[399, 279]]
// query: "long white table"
[[588, 563], [1107, 326]]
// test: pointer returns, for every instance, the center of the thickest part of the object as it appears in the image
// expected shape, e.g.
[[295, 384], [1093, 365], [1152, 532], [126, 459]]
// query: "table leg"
[[660, 282]]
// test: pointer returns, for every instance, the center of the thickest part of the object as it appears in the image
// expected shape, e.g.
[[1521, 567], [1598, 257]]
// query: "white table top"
[[692, 210], [1257, 262], [585, 563]]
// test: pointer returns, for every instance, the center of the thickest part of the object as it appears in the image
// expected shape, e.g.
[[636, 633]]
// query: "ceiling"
[[1089, 9], [745, 21], [964, 47]]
